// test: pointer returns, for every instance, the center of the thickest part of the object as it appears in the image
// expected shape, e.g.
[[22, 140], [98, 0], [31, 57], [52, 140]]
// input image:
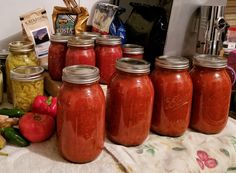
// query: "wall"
[[10, 11]]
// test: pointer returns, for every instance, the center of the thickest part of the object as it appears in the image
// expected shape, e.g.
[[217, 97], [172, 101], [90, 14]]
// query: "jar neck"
[[81, 48], [171, 70], [68, 84], [130, 74], [207, 68]]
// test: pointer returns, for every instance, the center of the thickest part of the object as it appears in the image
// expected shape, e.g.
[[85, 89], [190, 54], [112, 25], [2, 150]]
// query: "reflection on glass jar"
[[27, 83], [211, 94], [130, 97], [80, 114], [173, 96], [21, 53]]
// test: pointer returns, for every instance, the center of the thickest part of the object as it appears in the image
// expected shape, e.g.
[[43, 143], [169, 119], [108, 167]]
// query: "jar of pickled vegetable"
[[133, 51], [27, 83], [21, 53], [130, 97], [57, 55], [108, 50], [211, 94], [80, 114], [80, 51], [173, 96]]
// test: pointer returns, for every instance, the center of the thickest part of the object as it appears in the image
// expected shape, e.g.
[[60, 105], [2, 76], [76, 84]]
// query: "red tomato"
[[36, 127]]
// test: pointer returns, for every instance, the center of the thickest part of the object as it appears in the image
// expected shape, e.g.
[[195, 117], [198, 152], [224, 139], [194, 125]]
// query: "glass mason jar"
[[21, 53], [27, 82], [80, 114], [80, 52], [108, 50], [57, 55], [173, 96], [130, 97], [211, 94], [90, 35], [133, 51]]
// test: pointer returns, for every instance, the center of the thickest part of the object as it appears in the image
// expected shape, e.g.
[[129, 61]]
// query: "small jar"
[[133, 51], [80, 52], [130, 97], [57, 55], [173, 96], [108, 50], [211, 94], [80, 114], [27, 82], [21, 53]]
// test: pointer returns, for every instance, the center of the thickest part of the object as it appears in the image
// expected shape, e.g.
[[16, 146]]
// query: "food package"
[[36, 28], [69, 21], [103, 17]]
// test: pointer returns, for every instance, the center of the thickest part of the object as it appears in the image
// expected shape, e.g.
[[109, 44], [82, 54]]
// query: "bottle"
[[80, 114], [130, 97], [173, 96], [21, 53], [211, 94], [27, 83]]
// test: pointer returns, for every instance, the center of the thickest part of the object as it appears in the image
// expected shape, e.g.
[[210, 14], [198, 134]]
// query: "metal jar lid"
[[133, 49], [210, 61], [80, 42], [80, 74], [108, 40], [91, 35], [26, 73], [21, 46], [58, 37], [172, 62], [133, 65]]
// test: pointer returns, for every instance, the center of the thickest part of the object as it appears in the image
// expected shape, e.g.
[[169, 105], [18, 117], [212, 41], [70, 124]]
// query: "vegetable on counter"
[[2, 142], [5, 121], [14, 137], [45, 105], [11, 112], [36, 127]]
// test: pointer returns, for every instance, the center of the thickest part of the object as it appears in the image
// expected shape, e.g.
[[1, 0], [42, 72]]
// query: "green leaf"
[[225, 152], [151, 151], [231, 169], [178, 148]]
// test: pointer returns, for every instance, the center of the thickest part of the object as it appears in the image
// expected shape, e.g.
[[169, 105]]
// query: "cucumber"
[[11, 112]]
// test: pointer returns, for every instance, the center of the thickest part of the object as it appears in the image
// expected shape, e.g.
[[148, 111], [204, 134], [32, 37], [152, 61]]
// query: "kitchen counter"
[[193, 152]]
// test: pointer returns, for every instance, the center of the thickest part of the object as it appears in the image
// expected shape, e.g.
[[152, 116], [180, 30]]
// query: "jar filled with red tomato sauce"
[[133, 51], [211, 94], [80, 114], [80, 51], [108, 50], [56, 56], [173, 96], [130, 97]]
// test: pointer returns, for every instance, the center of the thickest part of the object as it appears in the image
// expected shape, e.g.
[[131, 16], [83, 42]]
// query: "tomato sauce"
[[56, 56], [211, 94], [108, 50], [80, 51], [130, 97], [173, 96], [80, 114]]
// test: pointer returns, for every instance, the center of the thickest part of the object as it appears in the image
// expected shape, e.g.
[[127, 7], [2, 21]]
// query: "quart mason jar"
[[173, 96], [80, 114], [57, 55], [130, 97], [133, 51], [27, 83], [211, 94], [21, 53], [80, 52], [108, 50]]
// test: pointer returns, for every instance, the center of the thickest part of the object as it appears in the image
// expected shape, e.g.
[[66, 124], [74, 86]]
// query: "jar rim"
[[91, 35], [80, 42], [60, 38], [80, 74], [172, 62], [210, 61], [26, 73], [108, 40], [133, 65], [21, 46], [133, 49]]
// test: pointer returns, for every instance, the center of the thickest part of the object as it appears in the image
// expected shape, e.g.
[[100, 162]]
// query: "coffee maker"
[[194, 26]]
